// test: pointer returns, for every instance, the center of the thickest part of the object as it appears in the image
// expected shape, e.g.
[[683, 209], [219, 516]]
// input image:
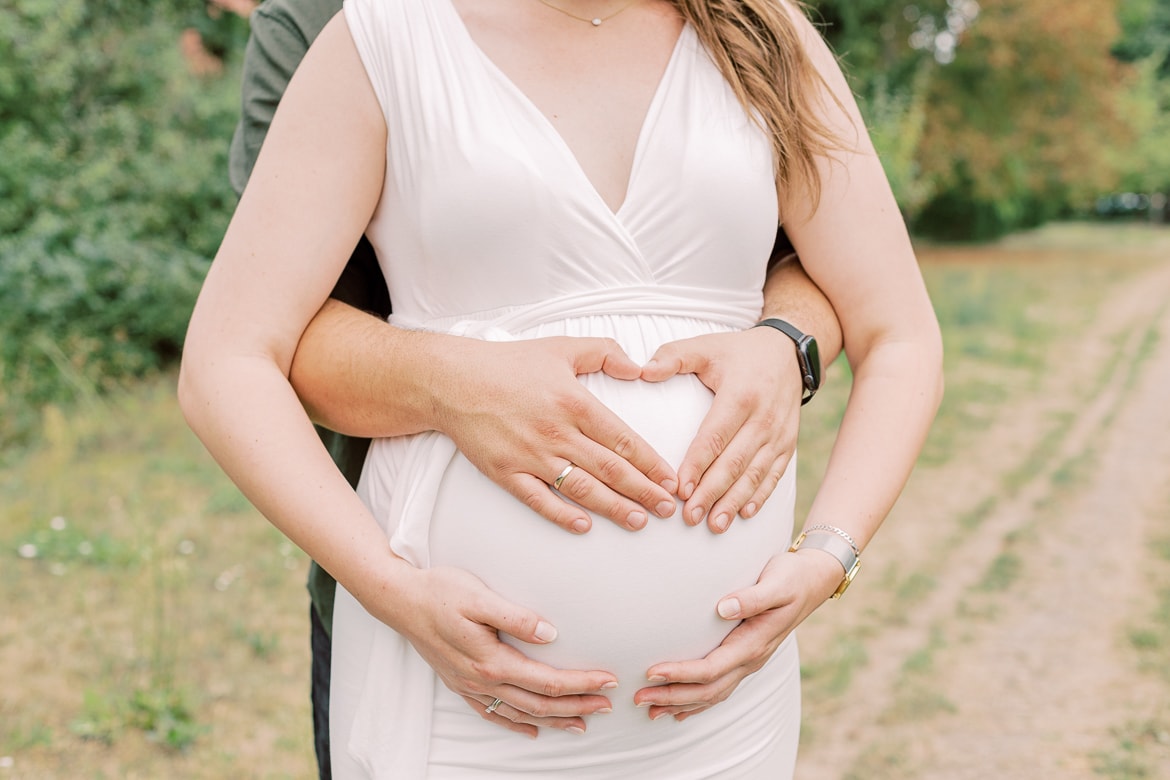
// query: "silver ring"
[[561, 477], [492, 707]]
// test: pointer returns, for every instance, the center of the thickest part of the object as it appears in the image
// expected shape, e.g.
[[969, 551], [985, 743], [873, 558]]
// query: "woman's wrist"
[[823, 572], [387, 587]]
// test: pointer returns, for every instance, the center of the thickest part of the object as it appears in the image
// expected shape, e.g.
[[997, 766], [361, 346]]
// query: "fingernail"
[[643, 704], [545, 632], [609, 686], [659, 715], [603, 711], [636, 520], [697, 514], [685, 493], [656, 678], [665, 509], [669, 485], [722, 521], [748, 510], [728, 608], [580, 525], [576, 729], [651, 363]]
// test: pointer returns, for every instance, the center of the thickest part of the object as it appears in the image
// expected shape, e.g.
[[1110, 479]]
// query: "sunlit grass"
[[153, 623], [1001, 308]]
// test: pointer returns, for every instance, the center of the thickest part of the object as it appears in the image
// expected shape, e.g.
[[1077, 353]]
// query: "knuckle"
[[553, 688], [716, 444], [706, 674], [737, 462], [576, 489], [539, 709], [521, 625], [616, 511], [575, 406], [743, 403], [549, 431], [472, 688], [533, 498], [485, 673], [647, 497], [624, 445], [610, 469], [755, 475], [767, 418]]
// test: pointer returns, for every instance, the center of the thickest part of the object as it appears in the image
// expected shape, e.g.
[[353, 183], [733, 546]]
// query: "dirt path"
[[998, 644]]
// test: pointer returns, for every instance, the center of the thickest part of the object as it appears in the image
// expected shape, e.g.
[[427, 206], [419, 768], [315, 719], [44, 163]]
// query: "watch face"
[[809, 349]]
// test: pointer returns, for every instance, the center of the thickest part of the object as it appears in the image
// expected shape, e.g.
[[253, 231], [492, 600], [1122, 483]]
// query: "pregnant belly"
[[620, 600]]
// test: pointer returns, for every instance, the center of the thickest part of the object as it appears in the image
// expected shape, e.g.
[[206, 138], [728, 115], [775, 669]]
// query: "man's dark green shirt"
[[282, 31]]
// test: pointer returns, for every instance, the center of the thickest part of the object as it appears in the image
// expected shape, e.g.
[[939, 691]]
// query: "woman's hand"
[[452, 619], [791, 586], [747, 438]]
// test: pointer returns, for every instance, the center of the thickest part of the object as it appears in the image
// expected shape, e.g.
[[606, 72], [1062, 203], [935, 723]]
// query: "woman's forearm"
[[897, 388], [247, 416]]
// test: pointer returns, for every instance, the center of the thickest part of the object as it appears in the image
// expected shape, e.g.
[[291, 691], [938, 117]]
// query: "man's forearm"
[[358, 375], [791, 295]]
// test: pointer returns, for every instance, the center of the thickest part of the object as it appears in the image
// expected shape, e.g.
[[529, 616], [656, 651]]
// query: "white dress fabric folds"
[[488, 228]]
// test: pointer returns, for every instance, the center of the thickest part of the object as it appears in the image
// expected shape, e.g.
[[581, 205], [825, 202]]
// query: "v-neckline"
[[652, 108]]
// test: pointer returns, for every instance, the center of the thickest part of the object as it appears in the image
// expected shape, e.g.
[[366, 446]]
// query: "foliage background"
[[113, 193], [990, 116]]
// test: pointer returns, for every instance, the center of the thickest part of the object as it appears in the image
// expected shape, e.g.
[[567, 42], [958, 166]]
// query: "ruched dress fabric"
[[489, 228]]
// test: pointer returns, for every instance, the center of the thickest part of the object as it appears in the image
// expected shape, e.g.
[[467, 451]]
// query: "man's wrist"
[[807, 354]]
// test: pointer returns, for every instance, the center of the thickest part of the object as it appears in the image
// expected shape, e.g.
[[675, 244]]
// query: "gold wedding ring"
[[561, 477]]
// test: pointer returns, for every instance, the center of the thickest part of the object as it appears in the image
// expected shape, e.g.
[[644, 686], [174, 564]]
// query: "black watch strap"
[[807, 355]]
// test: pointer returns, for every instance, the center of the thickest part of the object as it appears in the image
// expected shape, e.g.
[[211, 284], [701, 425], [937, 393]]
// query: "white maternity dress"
[[488, 228]]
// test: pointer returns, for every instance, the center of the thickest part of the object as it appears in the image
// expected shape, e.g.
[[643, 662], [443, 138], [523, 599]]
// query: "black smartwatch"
[[807, 355]]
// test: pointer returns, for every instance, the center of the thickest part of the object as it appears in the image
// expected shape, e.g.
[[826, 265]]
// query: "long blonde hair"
[[757, 47]]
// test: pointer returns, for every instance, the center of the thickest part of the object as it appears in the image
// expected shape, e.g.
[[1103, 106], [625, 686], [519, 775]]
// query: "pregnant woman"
[[527, 170]]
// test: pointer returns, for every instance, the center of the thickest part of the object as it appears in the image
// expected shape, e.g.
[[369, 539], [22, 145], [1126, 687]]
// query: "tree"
[[1021, 122], [113, 194]]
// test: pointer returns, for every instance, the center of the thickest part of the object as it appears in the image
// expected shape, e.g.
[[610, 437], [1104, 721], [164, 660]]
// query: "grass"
[[1151, 639], [1142, 747], [831, 674], [1004, 570], [154, 624], [1001, 308], [1132, 758]]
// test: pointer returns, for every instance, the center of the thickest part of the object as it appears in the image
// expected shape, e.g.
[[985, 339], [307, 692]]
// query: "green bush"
[[113, 194]]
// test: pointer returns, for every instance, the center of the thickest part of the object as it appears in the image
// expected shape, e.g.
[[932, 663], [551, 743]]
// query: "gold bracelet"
[[834, 546], [835, 530]]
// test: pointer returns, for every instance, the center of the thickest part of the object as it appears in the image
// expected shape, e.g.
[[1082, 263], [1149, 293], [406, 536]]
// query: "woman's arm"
[[311, 194], [856, 248]]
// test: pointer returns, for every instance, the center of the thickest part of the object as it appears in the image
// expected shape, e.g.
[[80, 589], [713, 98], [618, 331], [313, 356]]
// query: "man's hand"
[[791, 586], [747, 438], [453, 620], [517, 411]]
